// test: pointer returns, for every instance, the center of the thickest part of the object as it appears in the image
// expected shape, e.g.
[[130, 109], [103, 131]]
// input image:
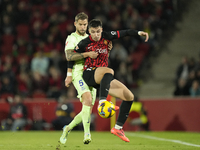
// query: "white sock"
[[102, 100], [88, 133], [118, 127]]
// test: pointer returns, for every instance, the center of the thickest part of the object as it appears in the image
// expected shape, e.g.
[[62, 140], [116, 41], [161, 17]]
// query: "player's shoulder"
[[85, 41], [72, 36]]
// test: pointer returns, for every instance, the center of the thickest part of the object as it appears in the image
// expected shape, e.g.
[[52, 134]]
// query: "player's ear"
[[75, 23]]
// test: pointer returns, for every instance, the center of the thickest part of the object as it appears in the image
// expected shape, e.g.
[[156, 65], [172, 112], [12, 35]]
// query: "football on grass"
[[106, 109]]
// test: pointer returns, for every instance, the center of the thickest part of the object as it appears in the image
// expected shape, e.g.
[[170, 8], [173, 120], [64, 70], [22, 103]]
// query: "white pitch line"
[[162, 139]]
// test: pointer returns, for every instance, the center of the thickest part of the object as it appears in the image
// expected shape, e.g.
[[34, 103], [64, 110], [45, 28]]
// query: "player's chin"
[[96, 39], [82, 32]]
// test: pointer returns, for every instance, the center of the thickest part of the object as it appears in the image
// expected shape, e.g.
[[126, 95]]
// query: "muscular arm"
[[72, 56]]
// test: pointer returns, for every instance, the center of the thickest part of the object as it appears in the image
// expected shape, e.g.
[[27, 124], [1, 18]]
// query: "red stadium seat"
[[38, 7], [144, 47], [51, 9], [6, 49], [23, 30], [5, 57], [6, 95], [18, 58], [8, 39], [137, 58]]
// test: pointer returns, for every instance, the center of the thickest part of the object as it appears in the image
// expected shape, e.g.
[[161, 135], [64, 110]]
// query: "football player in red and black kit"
[[97, 74]]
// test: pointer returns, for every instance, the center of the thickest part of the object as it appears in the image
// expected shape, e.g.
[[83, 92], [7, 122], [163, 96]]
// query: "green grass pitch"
[[48, 140]]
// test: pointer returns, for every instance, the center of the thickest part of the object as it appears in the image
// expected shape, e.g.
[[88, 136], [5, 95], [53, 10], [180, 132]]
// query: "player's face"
[[81, 26], [95, 33]]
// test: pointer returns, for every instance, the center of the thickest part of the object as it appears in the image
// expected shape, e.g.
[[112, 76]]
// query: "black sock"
[[105, 85], [124, 112]]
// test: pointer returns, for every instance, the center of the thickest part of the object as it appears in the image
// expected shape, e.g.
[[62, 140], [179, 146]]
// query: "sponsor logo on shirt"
[[101, 51]]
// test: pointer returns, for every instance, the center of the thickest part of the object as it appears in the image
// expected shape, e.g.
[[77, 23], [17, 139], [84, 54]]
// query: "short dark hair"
[[81, 16], [95, 23]]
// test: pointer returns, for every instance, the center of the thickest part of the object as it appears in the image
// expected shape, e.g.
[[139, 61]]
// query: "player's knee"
[[87, 102], [87, 99], [130, 96]]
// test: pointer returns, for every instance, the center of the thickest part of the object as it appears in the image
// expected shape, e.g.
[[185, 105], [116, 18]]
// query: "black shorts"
[[88, 76]]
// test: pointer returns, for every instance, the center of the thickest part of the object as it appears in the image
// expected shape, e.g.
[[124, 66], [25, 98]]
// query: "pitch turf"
[[48, 140]]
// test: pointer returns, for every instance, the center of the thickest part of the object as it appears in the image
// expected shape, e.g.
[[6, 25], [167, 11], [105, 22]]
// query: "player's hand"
[[92, 54], [110, 46], [68, 81], [142, 33]]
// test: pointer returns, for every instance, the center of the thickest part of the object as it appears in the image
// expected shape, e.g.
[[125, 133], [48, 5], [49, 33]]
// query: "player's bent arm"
[[73, 56]]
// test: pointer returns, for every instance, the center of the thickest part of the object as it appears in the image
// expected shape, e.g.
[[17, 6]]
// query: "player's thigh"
[[83, 88], [119, 90], [100, 72], [80, 86]]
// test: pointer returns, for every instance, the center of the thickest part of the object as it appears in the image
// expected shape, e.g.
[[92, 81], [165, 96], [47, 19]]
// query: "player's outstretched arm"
[[122, 33], [73, 56], [142, 33]]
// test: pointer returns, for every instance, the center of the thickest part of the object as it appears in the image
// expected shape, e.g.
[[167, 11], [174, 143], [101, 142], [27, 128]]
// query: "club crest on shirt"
[[105, 42]]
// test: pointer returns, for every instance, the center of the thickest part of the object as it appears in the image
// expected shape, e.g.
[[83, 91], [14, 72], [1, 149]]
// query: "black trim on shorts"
[[88, 76]]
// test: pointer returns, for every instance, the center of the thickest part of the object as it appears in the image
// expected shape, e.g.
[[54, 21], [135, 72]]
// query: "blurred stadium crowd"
[[188, 77], [33, 33]]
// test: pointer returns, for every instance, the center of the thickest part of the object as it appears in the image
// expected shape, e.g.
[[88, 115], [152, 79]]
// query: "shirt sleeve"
[[120, 33], [80, 48], [69, 43]]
